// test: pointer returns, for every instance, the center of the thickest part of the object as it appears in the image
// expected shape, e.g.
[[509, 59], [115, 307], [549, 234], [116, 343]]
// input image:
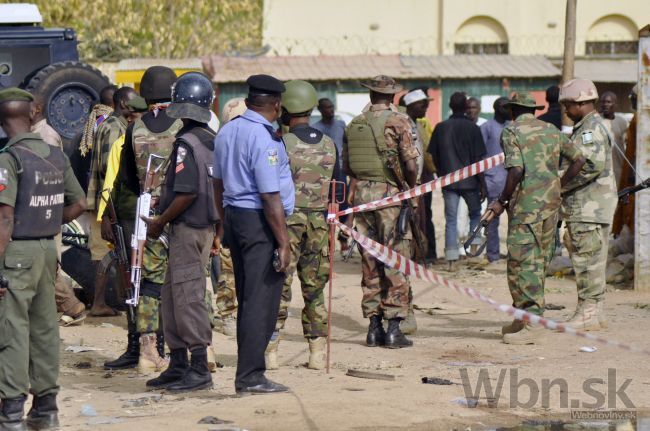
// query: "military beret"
[[138, 104], [264, 84], [15, 94]]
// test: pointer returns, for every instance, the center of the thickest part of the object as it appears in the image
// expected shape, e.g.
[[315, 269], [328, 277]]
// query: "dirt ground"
[[445, 344]]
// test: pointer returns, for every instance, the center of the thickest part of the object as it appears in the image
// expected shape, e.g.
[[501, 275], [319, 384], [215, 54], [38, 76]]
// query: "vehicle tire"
[[70, 89]]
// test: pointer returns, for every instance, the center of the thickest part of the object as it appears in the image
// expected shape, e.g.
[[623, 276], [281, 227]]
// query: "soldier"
[[187, 204], [313, 157], [38, 192], [107, 133], [226, 301], [375, 138], [532, 196], [154, 133], [588, 203]]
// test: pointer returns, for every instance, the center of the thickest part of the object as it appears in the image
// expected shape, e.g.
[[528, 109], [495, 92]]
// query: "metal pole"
[[642, 210], [569, 55], [333, 208]]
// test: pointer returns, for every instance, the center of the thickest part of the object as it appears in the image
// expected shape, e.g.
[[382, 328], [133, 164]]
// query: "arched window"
[[481, 35], [612, 35]]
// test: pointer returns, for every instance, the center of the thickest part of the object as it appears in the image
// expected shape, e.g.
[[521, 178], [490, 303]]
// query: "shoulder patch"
[[272, 157], [180, 155], [4, 178], [587, 137]]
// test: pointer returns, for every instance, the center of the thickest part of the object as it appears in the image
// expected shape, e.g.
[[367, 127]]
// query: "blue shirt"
[[495, 178], [250, 160], [335, 130]]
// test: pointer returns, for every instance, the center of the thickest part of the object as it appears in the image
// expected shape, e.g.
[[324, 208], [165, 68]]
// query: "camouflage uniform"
[[226, 295], [588, 204], [535, 147], [385, 290], [312, 166]]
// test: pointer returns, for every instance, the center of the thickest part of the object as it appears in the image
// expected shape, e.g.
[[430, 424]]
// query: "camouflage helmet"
[[578, 90], [233, 108], [156, 84], [300, 96]]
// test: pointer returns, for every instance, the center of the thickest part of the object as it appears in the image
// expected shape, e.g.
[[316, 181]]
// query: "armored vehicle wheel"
[[69, 90]]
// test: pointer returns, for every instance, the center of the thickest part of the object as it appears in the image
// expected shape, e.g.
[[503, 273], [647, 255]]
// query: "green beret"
[[15, 94], [138, 104]]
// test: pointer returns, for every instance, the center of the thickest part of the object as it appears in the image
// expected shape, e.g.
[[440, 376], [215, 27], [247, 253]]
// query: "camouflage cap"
[[523, 98], [233, 108], [382, 84], [578, 90], [15, 94], [138, 104]]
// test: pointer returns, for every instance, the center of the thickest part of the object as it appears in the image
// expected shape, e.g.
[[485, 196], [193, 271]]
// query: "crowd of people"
[[242, 202]]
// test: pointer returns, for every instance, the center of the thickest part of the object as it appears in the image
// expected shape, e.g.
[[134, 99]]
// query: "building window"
[[481, 48], [612, 47]]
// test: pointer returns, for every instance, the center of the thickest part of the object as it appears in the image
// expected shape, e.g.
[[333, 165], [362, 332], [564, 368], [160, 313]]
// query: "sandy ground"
[[444, 345]]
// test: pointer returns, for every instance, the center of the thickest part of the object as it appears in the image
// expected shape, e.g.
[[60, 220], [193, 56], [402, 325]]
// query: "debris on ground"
[[436, 381], [213, 420], [369, 375], [444, 309]]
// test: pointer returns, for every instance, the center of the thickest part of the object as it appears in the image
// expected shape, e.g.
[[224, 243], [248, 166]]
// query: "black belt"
[[240, 209], [32, 239]]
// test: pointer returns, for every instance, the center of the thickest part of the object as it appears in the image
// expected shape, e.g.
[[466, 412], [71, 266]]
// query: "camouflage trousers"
[[308, 237], [385, 290], [226, 295], [530, 249], [587, 244], [147, 316]]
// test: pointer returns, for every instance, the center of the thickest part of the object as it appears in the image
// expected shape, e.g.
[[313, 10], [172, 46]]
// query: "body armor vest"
[[40, 196], [202, 212], [312, 166], [367, 147], [146, 142]]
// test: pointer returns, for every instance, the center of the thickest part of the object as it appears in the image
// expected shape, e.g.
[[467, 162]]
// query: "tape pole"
[[410, 268]]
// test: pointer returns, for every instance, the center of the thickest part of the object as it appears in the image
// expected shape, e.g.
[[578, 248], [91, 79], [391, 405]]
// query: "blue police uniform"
[[250, 159]]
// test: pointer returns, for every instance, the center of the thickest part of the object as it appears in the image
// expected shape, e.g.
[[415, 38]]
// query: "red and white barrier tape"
[[454, 177], [408, 267]]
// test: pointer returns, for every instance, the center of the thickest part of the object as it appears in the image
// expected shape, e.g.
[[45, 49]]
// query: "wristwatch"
[[504, 202]]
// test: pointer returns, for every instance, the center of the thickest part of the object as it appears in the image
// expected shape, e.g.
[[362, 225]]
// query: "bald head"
[[607, 104], [15, 117]]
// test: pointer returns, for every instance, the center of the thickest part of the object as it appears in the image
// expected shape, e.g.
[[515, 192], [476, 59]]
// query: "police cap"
[[156, 84], [264, 85], [15, 94]]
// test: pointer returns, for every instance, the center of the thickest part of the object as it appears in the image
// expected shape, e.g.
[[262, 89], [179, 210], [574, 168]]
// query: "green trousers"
[[29, 333]]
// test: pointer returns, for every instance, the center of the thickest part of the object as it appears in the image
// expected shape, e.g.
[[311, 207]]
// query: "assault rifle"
[[624, 195], [407, 213], [139, 236], [120, 254]]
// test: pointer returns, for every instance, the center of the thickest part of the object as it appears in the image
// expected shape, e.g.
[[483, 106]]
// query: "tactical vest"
[[146, 142], [40, 196], [202, 212], [312, 166], [367, 148]]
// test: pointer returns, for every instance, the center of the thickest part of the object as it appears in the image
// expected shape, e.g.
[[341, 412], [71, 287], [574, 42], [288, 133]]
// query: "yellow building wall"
[[429, 27]]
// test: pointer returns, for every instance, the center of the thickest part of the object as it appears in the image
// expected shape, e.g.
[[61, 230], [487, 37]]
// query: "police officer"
[[153, 133], [38, 192], [374, 137], [187, 205], [531, 194], [588, 203], [313, 160], [253, 185]]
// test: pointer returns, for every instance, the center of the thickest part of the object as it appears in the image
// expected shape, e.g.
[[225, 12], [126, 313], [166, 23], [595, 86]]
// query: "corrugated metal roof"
[[224, 69], [173, 63], [608, 70]]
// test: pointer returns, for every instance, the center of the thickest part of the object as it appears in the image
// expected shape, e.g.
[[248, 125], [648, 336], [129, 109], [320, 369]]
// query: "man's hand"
[[483, 192], [285, 256], [107, 230], [154, 227], [216, 245], [493, 210]]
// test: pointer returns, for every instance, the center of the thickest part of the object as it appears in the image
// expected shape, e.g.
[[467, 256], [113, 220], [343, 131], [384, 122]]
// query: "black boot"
[[394, 337], [11, 414], [128, 359], [160, 344], [44, 413], [198, 376], [376, 334], [178, 367]]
